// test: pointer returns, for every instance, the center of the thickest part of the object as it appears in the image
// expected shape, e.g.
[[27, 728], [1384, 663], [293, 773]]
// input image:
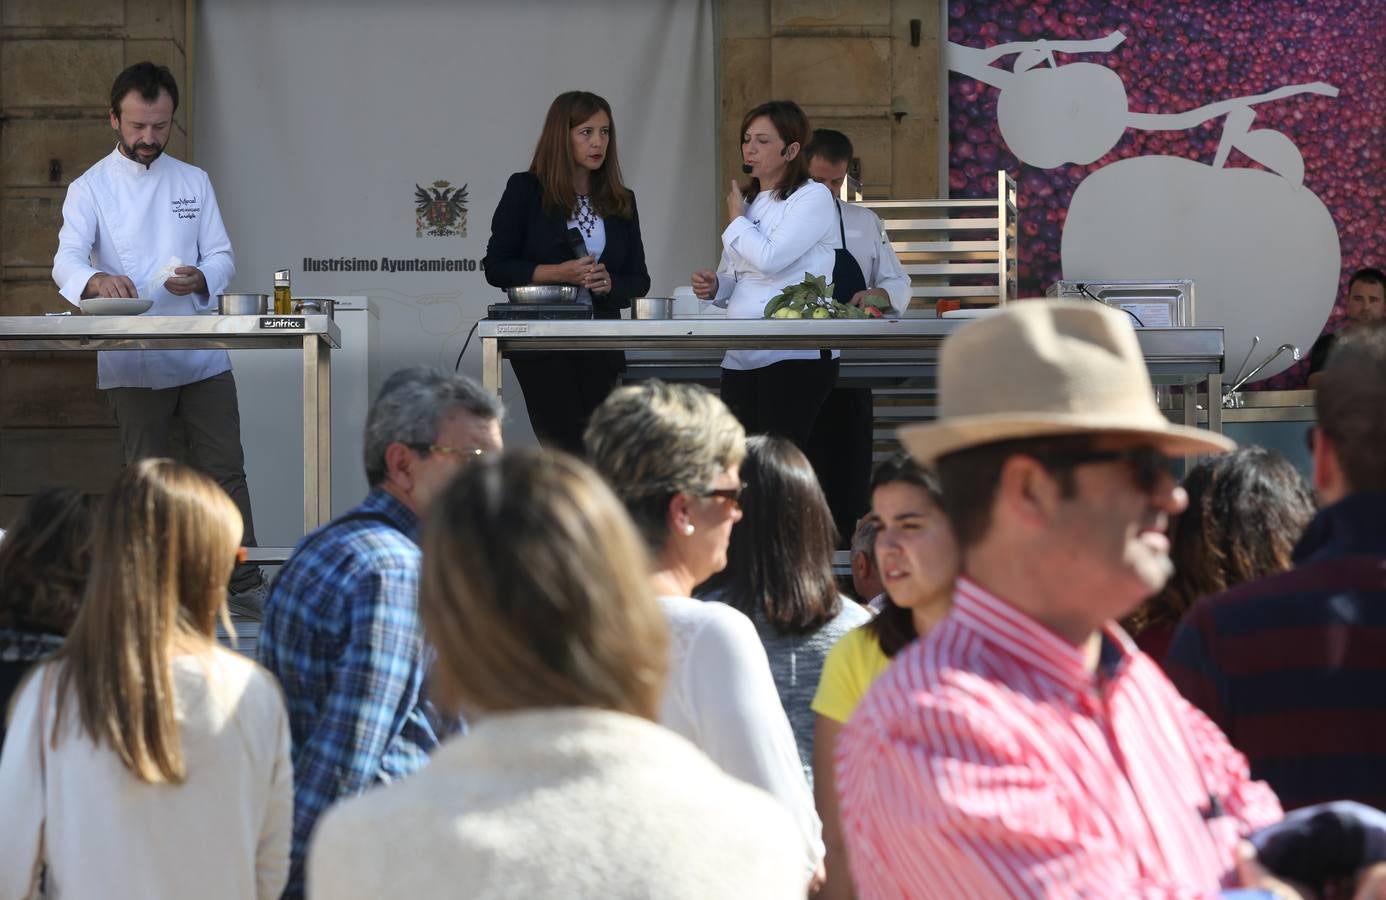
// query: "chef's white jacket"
[[125, 219], [769, 248], [869, 246]]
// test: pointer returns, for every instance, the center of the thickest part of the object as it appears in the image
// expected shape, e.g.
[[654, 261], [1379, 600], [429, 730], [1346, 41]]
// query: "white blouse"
[[722, 697], [769, 248], [223, 833]]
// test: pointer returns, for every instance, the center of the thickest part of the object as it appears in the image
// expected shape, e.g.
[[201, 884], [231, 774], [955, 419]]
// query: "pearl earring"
[[688, 528]]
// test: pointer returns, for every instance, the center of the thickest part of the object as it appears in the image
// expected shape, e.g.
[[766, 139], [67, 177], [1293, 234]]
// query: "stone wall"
[[57, 61], [868, 68]]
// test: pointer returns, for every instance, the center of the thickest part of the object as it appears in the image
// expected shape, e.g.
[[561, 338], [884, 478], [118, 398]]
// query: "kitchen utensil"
[[243, 304], [542, 293], [115, 306], [654, 307]]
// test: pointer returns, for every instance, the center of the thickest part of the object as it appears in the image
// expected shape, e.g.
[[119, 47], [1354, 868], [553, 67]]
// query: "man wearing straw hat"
[[1026, 747]]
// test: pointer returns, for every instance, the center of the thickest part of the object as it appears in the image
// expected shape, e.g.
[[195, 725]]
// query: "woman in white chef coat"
[[782, 227]]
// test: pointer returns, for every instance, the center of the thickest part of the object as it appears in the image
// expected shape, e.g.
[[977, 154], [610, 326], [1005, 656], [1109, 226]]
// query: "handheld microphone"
[[746, 168], [576, 245]]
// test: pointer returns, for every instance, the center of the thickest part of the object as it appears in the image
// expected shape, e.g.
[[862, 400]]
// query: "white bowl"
[[115, 306]]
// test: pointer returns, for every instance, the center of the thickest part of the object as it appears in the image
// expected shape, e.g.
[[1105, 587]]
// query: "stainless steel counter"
[[1184, 356], [317, 336]]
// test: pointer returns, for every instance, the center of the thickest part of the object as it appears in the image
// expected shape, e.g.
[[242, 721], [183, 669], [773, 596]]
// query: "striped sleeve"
[[941, 798]]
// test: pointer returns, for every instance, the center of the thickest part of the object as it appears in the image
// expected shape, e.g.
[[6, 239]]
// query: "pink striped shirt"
[[989, 762]]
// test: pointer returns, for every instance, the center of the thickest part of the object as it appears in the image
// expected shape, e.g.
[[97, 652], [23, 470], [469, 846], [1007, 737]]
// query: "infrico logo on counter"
[[282, 323], [388, 264]]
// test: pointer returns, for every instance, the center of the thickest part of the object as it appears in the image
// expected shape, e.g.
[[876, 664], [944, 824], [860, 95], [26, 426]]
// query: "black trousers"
[[840, 449], [561, 390], [782, 398], [211, 418]]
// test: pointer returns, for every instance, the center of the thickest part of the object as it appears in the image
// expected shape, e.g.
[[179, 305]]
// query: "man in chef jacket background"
[[840, 446], [140, 223]]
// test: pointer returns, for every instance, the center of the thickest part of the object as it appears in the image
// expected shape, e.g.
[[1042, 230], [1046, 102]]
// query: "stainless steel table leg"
[[324, 424], [312, 443], [491, 365], [1215, 402]]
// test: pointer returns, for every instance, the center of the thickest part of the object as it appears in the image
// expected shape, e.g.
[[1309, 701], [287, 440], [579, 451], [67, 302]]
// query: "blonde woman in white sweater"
[[535, 595], [143, 760]]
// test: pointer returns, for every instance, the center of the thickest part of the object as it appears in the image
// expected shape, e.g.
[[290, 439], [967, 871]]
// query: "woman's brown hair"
[[780, 560], [553, 161], [535, 592], [792, 125], [165, 541], [1246, 511], [44, 560]]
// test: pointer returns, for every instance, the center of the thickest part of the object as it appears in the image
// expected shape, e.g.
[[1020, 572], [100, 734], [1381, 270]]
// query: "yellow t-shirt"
[[851, 666]]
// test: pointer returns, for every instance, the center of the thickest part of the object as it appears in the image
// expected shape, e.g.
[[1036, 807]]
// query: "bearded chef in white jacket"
[[140, 223]]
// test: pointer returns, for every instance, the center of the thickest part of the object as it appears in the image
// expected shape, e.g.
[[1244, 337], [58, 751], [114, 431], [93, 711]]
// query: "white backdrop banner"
[[320, 122]]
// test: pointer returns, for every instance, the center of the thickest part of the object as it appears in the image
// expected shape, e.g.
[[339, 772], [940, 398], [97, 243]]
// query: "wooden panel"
[[58, 73], [30, 458], [60, 390], [39, 13], [829, 13], [832, 70], [30, 298], [28, 145], [29, 223]]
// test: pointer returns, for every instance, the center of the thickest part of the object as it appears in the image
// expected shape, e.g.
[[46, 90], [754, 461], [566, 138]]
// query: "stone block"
[[837, 71], [30, 298], [31, 458], [58, 13], [154, 19], [29, 223], [743, 18], [828, 13], [39, 391], [28, 145], [44, 73], [744, 70]]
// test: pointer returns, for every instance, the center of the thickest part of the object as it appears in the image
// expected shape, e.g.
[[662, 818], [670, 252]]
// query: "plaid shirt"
[[342, 633]]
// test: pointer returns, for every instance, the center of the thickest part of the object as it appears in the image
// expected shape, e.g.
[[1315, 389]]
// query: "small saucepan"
[[243, 304], [654, 307]]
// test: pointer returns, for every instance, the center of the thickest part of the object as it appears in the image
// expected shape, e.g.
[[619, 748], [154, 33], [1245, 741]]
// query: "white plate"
[[115, 306]]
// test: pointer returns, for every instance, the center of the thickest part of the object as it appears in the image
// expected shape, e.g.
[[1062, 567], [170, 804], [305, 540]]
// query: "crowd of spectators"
[[517, 673]]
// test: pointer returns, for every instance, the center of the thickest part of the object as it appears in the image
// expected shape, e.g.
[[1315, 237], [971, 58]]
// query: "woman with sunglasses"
[[918, 561], [144, 760], [672, 453]]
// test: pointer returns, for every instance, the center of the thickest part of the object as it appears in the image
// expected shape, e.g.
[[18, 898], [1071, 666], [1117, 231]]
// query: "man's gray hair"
[[411, 405]]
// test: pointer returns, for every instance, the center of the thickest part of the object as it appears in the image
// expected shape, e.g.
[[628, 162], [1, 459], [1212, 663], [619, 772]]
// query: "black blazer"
[[525, 235]]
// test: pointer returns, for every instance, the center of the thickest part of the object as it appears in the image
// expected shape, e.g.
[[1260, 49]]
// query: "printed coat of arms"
[[440, 210]]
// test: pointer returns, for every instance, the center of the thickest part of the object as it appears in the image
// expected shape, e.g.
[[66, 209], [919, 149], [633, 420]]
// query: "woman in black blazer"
[[573, 182]]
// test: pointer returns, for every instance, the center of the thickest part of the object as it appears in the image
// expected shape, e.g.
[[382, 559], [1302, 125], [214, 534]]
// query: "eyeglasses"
[[731, 495], [466, 454], [1149, 465]]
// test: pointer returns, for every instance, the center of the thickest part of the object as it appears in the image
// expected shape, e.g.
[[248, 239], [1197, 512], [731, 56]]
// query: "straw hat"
[[1043, 368]]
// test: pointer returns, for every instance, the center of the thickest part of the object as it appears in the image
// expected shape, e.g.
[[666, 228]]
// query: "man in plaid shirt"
[[341, 628]]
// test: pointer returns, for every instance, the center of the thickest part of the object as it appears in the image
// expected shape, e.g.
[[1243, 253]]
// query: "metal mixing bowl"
[[543, 293], [243, 304]]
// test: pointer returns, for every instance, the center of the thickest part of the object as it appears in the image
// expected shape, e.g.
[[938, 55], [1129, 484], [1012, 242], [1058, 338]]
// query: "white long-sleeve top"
[[223, 833], [122, 218], [869, 246], [769, 248], [721, 695]]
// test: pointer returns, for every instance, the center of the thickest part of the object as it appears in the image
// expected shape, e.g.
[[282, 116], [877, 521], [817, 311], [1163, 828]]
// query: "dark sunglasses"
[[1149, 465], [731, 494]]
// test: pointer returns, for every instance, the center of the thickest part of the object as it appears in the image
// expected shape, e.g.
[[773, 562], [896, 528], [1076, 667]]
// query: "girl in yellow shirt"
[[918, 560]]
